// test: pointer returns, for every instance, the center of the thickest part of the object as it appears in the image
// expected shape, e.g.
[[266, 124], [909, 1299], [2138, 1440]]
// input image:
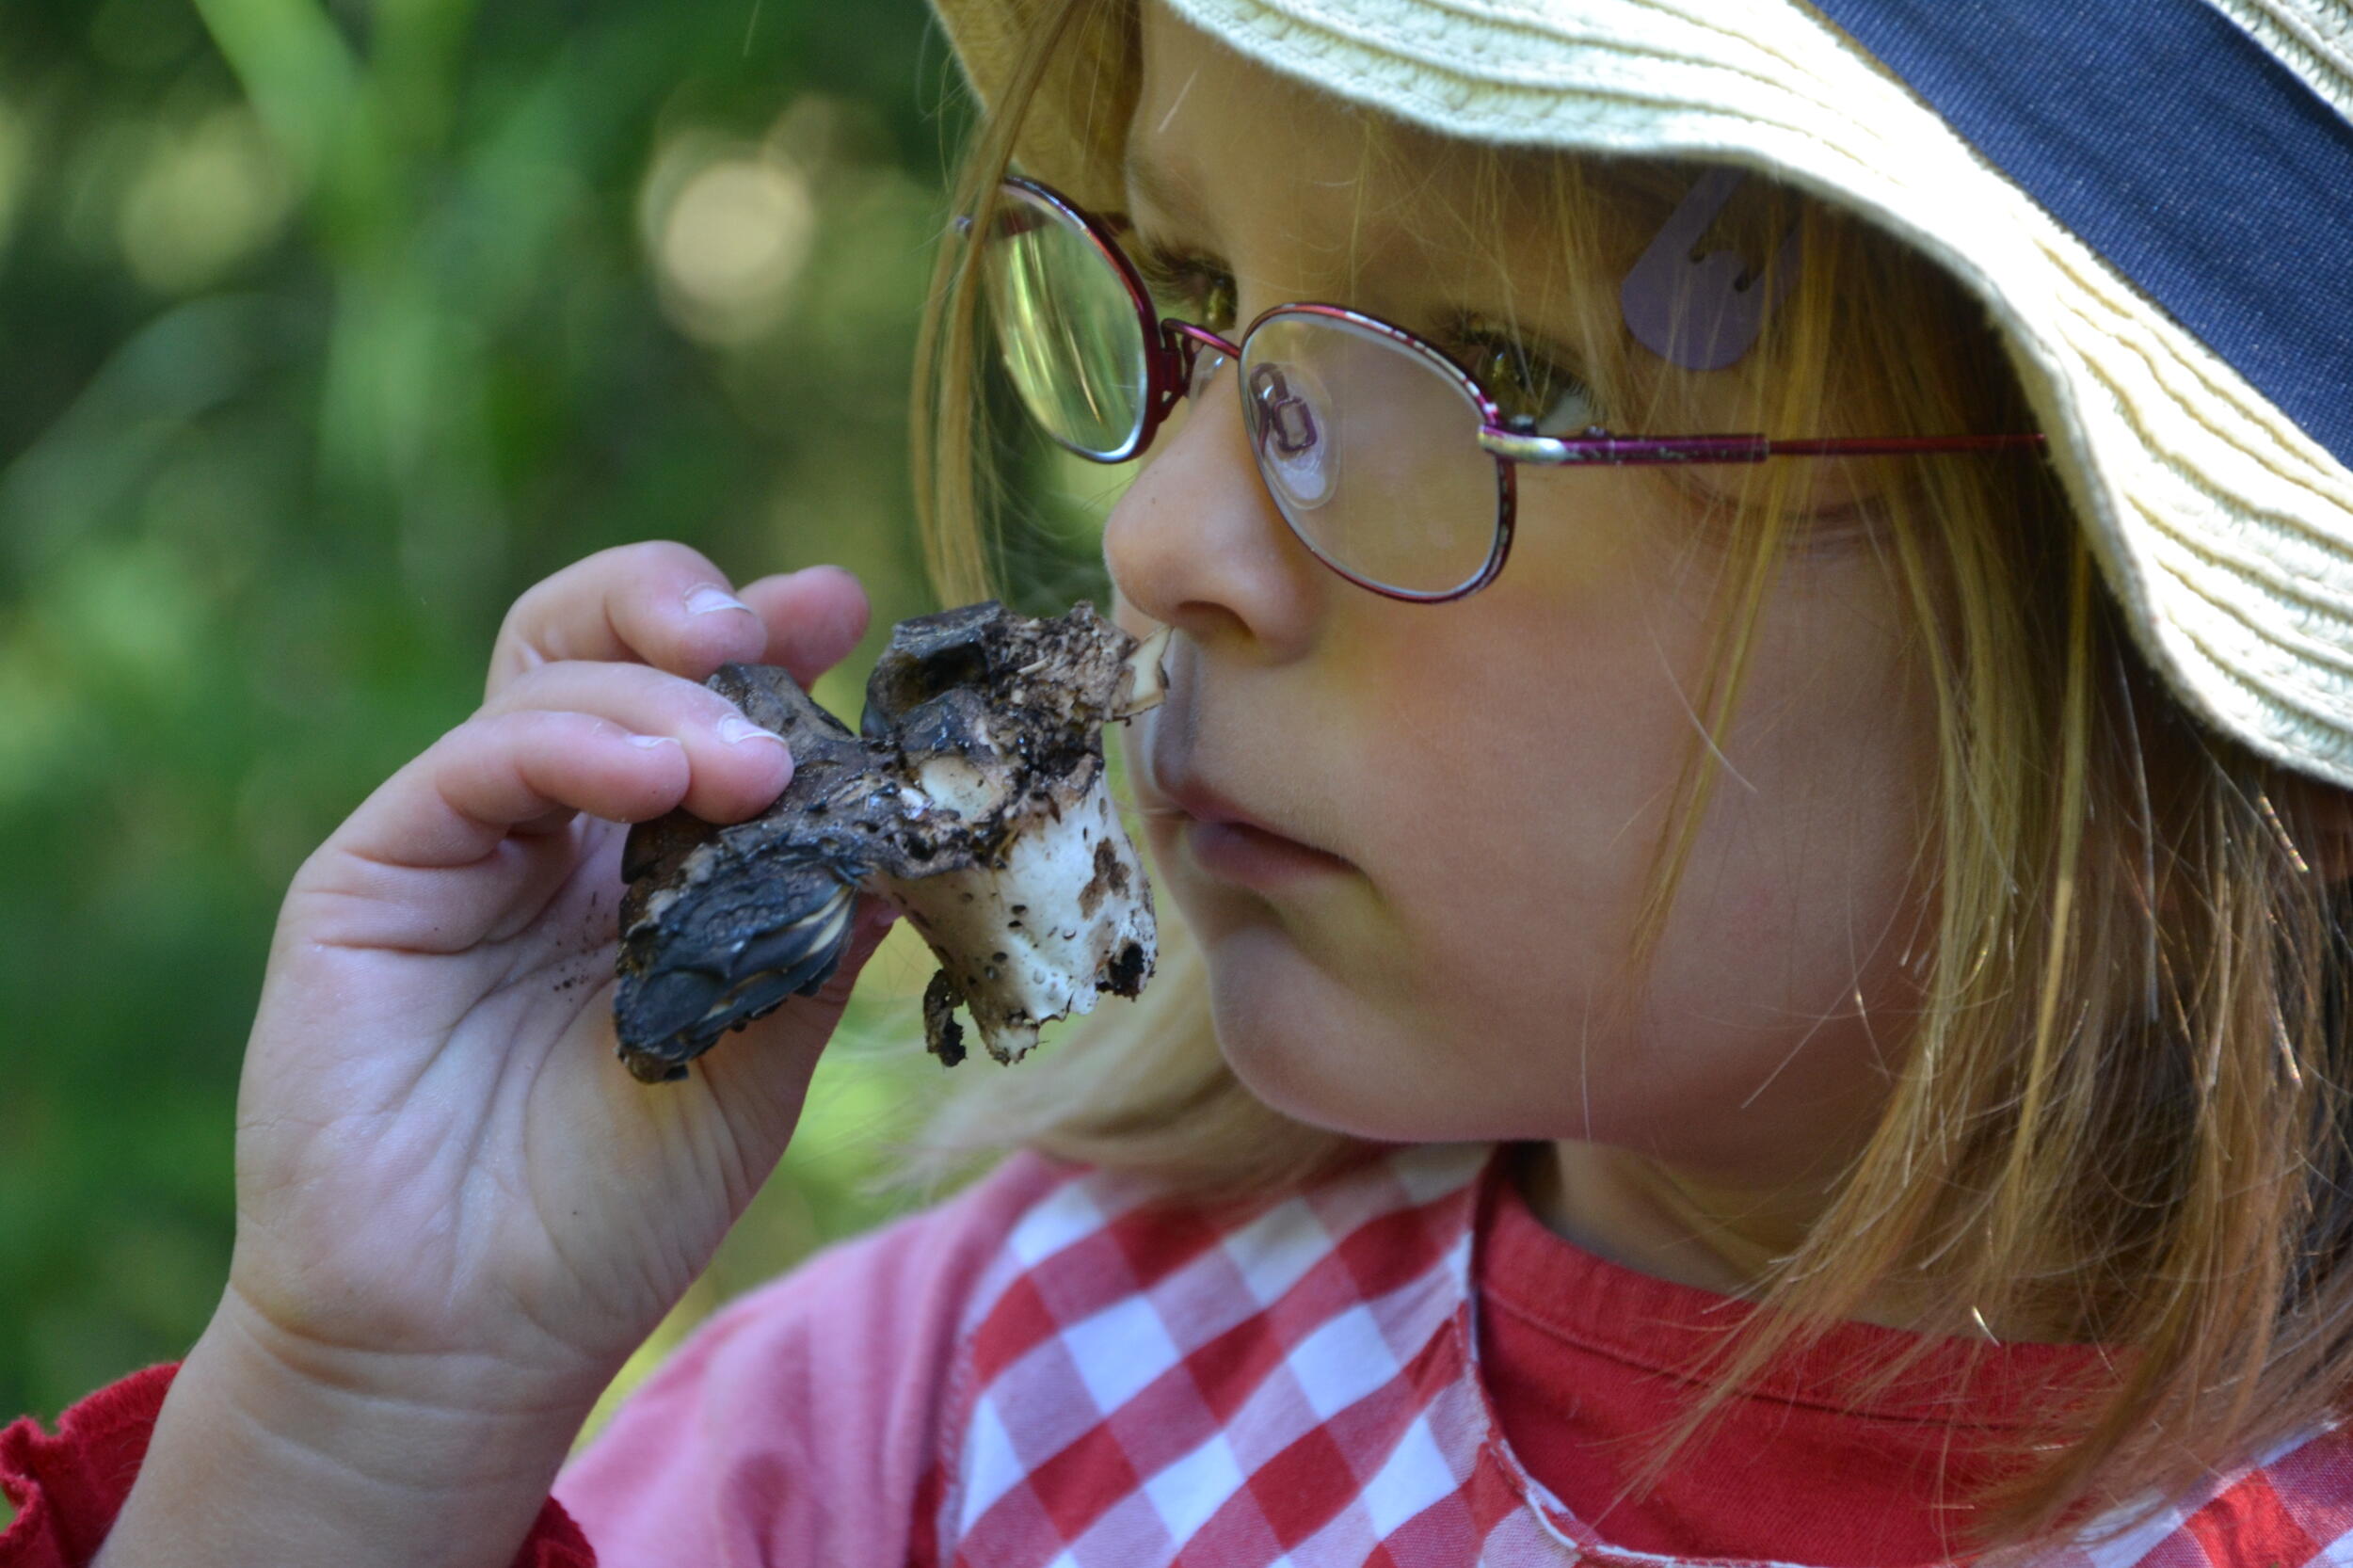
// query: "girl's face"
[[1489, 780]]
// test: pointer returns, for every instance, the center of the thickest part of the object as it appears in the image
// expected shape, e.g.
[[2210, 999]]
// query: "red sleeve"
[[67, 1488]]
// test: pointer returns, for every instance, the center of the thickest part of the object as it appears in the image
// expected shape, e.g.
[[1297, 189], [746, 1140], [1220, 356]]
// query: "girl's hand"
[[457, 1213], [440, 1160]]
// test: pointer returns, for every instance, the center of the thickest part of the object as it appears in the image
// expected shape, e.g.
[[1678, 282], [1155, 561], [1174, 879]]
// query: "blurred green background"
[[328, 328]]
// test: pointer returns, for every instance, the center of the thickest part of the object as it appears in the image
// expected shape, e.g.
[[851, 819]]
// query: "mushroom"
[[974, 799]]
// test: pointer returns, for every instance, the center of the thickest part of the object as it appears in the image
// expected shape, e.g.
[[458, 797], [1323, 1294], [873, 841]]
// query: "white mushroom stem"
[[1040, 937], [1065, 915]]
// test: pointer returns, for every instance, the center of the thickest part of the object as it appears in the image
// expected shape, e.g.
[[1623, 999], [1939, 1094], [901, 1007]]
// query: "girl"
[[1765, 996]]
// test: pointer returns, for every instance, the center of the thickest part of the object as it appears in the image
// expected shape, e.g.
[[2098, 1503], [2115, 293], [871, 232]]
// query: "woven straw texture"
[[2312, 38], [2225, 531]]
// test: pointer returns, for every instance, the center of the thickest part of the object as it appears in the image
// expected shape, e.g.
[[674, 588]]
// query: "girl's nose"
[[1196, 541]]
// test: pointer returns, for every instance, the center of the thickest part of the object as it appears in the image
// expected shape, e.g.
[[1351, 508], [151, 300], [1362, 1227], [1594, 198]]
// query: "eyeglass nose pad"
[[1203, 363], [1289, 435]]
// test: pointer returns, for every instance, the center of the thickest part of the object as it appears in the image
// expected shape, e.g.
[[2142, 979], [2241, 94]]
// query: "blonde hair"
[[2122, 1114]]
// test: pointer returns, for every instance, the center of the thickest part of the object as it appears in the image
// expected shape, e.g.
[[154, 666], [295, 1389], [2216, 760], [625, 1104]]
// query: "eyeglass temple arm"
[[1602, 448]]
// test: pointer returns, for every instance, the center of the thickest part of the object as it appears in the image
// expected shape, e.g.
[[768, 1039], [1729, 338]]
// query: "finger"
[[814, 617], [657, 603], [454, 804], [737, 768]]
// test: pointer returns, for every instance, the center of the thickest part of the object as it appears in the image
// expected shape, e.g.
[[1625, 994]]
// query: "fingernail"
[[650, 742], [735, 731], [703, 600]]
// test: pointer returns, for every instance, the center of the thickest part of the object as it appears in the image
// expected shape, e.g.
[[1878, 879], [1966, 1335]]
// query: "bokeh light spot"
[[204, 201], [731, 244]]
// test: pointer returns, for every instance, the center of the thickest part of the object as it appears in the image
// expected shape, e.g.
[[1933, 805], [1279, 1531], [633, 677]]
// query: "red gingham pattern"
[[1294, 1385]]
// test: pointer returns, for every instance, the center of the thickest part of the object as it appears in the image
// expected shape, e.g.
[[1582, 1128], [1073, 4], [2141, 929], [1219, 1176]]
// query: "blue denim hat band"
[[2227, 198]]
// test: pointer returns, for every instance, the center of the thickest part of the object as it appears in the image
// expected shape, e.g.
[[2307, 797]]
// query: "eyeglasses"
[[1389, 460]]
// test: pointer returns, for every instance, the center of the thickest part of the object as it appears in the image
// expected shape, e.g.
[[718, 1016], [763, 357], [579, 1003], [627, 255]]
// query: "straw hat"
[[2154, 198]]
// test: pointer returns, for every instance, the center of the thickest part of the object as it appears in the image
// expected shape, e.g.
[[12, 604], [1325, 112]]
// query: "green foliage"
[[331, 325]]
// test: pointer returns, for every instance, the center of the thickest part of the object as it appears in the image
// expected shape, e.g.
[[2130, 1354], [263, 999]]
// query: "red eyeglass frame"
[[1172, 347]]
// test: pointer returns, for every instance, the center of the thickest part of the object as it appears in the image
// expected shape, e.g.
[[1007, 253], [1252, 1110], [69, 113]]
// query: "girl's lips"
[[1255, 858], [1224, 839], [1230, 842], [1204, 805]]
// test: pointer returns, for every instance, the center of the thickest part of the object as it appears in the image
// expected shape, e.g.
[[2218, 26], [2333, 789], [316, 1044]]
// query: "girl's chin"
[[1339, 1099], [1321, 1054]]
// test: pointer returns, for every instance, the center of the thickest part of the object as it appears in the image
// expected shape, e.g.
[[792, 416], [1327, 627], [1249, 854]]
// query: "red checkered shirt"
[[1296, 1384], [1048, 1372]]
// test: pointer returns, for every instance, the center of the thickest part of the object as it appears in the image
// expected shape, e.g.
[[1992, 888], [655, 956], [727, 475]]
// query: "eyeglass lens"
[[1371, 451], [1368, 446], [1067, 328]]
